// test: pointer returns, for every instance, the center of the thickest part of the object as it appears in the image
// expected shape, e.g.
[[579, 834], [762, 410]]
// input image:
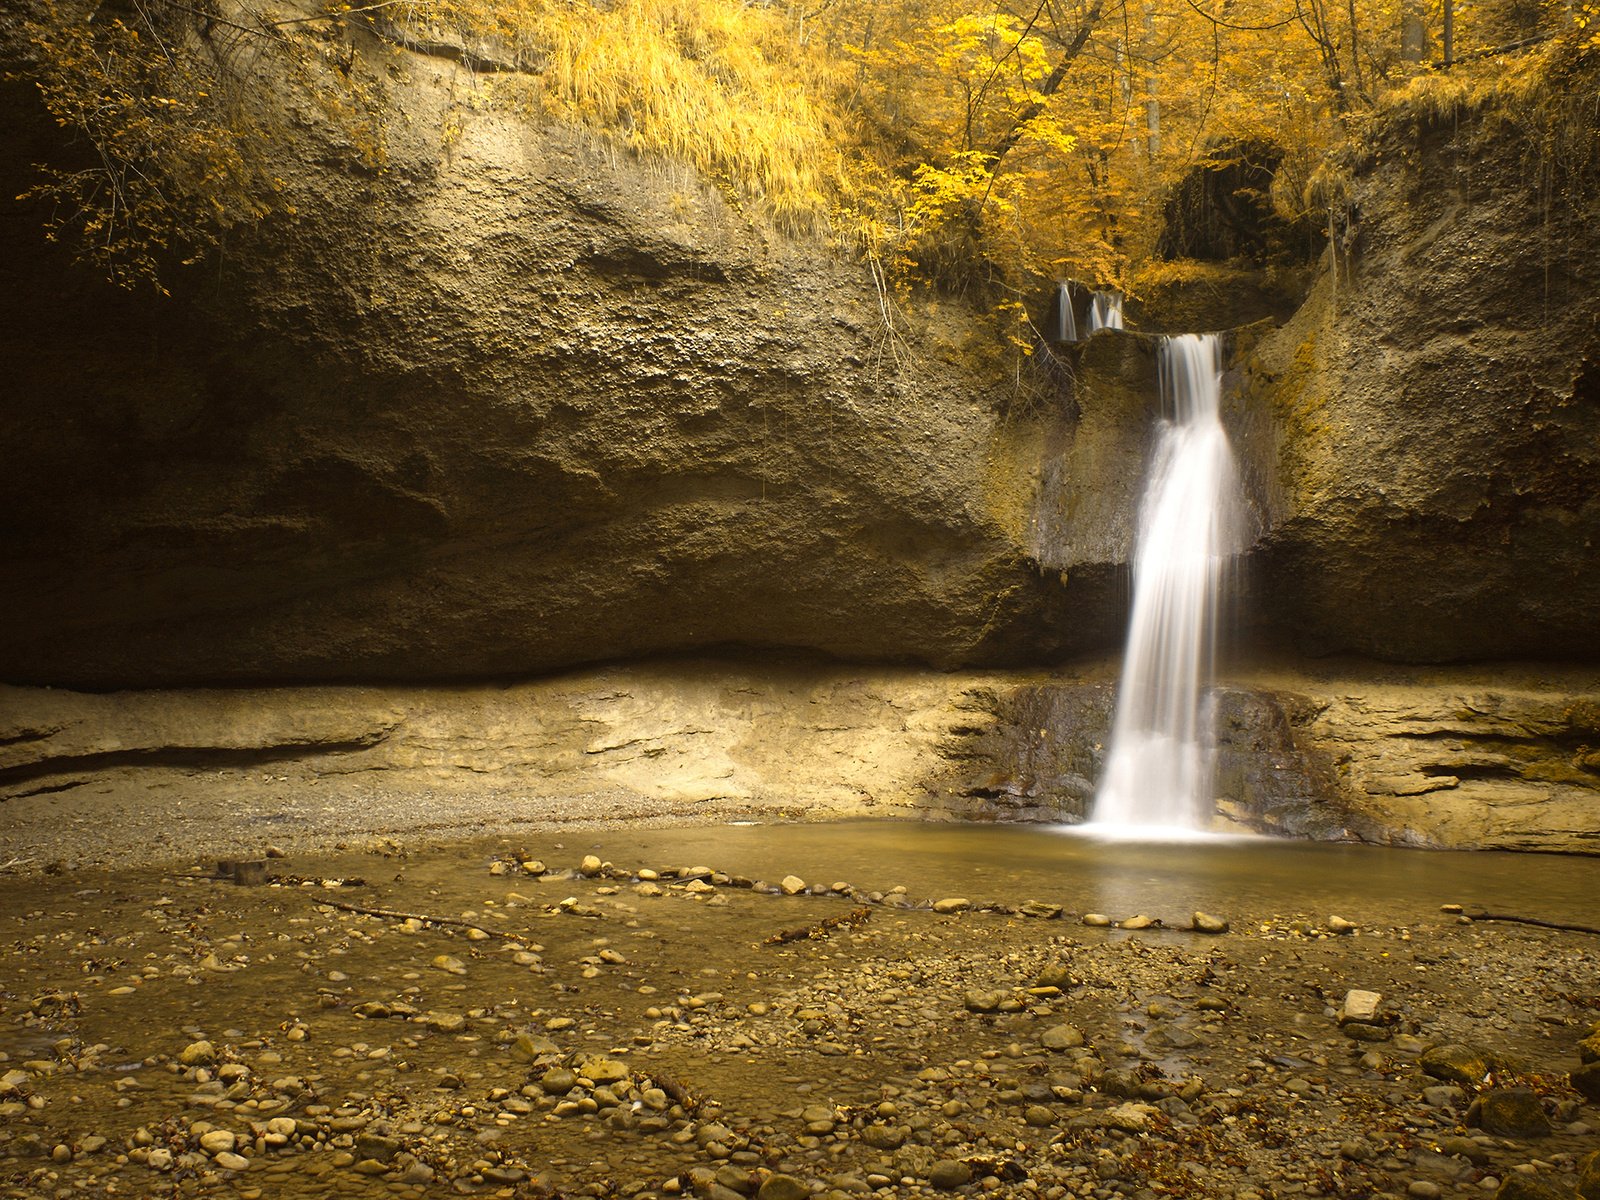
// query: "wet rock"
[[558, 1081], [791, 885], [1129, 1118], [948, 1174], [953, 904], [602, 1070], [1589, 1176], [590, 866], [1457, 1063], [1040, 910], [1509, 1112], [1339, 925], [1518, 1186], [981, 1000], [1096, 920], [201, 1053], [884, 1137], [783, 1187], [1062, 1037], [1586, 1081], [1208, 923], [1589, 1048], [1444, 1095], [1141, 921]]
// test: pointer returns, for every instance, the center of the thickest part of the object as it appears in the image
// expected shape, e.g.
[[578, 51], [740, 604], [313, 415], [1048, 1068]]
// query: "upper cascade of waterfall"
[[1105, 311], [1066, 329], [1191, 522]]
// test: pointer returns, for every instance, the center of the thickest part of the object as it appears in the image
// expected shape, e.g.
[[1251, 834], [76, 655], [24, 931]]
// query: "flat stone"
[[1062, 1037], [1140, 921], [1096, 920], [952, 904], [1360, 1006]]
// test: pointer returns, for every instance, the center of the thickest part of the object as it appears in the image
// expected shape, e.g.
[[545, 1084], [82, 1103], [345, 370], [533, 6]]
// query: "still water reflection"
[[1242, 878]]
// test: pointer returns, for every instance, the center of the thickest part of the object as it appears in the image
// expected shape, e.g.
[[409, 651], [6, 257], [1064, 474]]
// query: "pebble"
[[1141, 921], [1096, 920]]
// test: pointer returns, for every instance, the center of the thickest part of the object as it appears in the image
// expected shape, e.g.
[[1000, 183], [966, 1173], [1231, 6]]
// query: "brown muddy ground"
[[511, 1022]]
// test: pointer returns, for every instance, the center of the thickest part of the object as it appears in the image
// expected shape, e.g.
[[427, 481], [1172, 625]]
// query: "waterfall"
[[1105, 311], [1066, 325], [1191, 521]]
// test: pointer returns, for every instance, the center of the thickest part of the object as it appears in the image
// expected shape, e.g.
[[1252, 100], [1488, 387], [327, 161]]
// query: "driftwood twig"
[[821, 929], [393, 915], [1478, 914]]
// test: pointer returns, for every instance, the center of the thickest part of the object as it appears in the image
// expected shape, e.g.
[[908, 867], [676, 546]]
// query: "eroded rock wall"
[[1458, 758], [517, 402], [1437, 405]]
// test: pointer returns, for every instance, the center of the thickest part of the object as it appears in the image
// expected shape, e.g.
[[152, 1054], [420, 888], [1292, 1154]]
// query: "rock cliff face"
[[1437, 405], [520, 403], [517, 403]]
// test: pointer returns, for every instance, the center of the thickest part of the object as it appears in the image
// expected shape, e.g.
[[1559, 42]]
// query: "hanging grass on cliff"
[[978, 146]]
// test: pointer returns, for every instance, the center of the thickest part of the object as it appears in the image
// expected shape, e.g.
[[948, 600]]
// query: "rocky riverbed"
[[532, 1019]]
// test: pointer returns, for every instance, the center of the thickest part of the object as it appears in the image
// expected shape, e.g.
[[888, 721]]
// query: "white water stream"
[[1191, 521]]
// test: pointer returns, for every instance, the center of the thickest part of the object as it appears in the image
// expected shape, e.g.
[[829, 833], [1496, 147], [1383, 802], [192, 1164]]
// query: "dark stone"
[[1586, 1080], [1457, 1063], [949, 1174], [1509, 1112]]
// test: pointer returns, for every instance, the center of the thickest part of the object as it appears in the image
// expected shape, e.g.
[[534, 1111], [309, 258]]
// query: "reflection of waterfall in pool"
[[1191, 521], [1105, 311]]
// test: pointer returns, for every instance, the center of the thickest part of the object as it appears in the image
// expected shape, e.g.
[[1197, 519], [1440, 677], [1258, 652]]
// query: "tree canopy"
[[988, 144]]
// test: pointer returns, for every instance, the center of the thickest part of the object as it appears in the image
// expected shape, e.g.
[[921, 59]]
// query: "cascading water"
[[1191, 522], [1105, 311], [1066, 325]]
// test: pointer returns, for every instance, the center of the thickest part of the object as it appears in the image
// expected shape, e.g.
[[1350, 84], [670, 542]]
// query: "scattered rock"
[[948, 1174], [1509, 1112], [1457, 1063], [783, 1187], [196, 1054], [1062, 1037], [1586, 1081], [1360, 1006], [1518, 1186], [1207, 923]]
